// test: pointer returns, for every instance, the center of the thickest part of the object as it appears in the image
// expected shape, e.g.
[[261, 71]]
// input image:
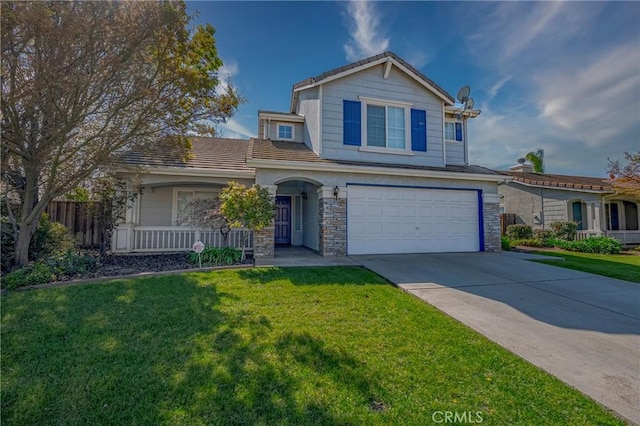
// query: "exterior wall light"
[[336, 191]]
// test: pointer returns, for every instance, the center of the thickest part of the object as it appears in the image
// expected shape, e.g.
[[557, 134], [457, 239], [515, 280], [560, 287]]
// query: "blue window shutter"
[[459, 131], [418, 130], [352, 128]]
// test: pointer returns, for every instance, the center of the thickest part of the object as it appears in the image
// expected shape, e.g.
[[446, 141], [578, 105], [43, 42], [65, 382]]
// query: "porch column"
[[122, 237], [589, 216], [596, 217], [263, 240], [332, 209], [491, 225]]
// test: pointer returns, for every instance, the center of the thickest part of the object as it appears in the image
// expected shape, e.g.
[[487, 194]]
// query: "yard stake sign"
[[198, 247]]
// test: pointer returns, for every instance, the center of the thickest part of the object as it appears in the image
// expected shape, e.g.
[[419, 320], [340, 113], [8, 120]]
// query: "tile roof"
[[206, 153], [365, 61], [262, 111], [295, 151], [562, 181]]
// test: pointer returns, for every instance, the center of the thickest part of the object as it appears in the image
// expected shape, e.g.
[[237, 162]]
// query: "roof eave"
[[194, 171], [564, 188], [361, 169]]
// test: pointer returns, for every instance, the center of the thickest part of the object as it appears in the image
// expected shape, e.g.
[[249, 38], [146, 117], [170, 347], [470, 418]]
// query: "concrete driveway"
[[582, 328]]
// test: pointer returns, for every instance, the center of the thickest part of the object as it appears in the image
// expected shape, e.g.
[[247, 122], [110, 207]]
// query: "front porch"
[[128, 238], [626, 238]]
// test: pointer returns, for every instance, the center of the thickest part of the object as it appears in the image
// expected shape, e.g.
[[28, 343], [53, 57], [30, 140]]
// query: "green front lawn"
[[261, 346], [621, 266]]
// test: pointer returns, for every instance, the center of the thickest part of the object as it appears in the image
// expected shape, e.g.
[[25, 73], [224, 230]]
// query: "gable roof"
[[206, 153], [562, 181], [373, 61]]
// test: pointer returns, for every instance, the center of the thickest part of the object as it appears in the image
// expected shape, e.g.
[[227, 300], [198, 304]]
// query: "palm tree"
[[537, 160]]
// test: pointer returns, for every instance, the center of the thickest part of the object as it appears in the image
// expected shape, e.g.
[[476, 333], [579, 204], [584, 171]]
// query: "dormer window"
[[453, 131], [285, 131]]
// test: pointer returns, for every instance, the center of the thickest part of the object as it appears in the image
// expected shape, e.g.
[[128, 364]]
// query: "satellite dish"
[[469, 104], [521, 160], [463, 94]]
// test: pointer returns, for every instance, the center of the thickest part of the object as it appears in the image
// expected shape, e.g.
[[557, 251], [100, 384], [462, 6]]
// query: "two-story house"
[[371, 158]]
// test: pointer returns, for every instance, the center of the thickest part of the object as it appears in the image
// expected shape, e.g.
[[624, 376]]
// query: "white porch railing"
[[583, 235], [625, 237], [148, 239]]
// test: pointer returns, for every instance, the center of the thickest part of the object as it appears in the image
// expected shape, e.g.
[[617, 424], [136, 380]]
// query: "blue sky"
[[562, 76]]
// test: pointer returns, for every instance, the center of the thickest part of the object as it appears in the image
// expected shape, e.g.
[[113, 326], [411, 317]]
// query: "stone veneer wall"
[[491, 212], [333, 226], [263, 242]]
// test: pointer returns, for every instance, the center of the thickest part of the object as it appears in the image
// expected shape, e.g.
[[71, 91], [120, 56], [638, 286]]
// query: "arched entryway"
[[297, 210]]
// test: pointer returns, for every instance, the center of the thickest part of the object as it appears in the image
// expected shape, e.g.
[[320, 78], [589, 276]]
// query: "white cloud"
[[225, 74], [366, 39], [597, 103], [574, 88], [234, 130], [493, 91]]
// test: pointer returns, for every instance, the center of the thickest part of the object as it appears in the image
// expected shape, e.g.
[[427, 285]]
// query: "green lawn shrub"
[[56, 267], [519, 232], [565, 230], [602, 245], [543, 234], [530, 242], [216, 256], [505, 242]]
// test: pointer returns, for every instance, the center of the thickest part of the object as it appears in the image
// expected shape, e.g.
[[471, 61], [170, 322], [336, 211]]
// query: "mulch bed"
[[118, 265]]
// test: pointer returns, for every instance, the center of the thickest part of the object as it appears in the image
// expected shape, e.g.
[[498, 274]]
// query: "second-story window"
[[453, 131], [285, 131], [385, 126]]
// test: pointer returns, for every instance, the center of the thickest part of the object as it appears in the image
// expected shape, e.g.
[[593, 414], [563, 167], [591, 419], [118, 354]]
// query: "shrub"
[[565, 230], [33, 274], [530, 242], [519, 232], [602, 245], [71, 264], [506, 245], [543, 234], [50, 238], [216, 256]]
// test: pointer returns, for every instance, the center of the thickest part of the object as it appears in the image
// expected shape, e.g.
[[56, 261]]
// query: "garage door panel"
[[411, 220]]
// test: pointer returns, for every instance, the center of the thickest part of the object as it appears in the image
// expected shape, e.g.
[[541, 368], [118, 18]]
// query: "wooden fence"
[[507, 219], [85, 220]]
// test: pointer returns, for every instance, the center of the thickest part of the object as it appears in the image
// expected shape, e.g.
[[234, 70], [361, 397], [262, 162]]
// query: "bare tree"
[[626, 178], [84, 81]]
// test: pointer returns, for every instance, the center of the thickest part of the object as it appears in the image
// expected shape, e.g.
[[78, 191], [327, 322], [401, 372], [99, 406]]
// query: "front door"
[[282, 232]]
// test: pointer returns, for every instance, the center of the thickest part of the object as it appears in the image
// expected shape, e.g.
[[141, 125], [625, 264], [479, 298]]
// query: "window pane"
[[375, 126], [285, 132], [396, 127], [183, 207], [449, 131]]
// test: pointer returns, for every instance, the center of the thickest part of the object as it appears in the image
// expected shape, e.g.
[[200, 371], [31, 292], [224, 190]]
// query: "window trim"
[[365, 102], [293, 131], [453, 121], [192, 189]]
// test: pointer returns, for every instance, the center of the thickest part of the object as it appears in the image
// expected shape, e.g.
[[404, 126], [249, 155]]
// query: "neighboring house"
[[371, 158], [540, 199]]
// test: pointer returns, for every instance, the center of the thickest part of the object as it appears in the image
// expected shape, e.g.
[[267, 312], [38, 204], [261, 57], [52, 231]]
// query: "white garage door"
[[382, 220]]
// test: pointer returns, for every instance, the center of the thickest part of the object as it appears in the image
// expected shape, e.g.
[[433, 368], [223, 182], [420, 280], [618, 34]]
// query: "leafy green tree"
[[537, 160], [84, 81], [251, 208], [626, 178]]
